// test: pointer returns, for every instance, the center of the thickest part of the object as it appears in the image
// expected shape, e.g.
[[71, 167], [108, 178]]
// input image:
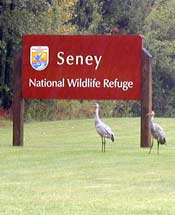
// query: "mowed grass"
[[61, 170]]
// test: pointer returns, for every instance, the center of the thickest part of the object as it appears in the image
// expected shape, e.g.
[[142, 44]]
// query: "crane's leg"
[[104, 144], [158, 147], [151, 146]]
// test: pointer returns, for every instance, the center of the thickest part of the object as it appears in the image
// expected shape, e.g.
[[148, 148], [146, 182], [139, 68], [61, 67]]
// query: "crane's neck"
[[97, 119], [152, 122]]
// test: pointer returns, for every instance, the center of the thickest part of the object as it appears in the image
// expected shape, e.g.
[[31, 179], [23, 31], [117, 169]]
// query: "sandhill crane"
[[157, 133], [102, 129]]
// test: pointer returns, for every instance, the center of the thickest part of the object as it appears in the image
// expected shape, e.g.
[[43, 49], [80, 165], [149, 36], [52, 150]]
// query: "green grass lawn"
[[61, 170]]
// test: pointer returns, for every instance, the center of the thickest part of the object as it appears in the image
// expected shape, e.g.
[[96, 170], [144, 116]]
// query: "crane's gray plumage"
[[157, 133], [102, 129]]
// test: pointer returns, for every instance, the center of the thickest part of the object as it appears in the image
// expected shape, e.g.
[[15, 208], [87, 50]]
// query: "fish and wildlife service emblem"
[[39, 57]]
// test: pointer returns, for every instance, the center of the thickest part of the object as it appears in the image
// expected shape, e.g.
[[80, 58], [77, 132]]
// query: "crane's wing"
[[105, 131], [159, 133]]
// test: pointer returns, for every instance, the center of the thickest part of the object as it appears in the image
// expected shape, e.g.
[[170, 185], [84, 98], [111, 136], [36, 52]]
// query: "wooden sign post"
[[146, 99], [18, 102]]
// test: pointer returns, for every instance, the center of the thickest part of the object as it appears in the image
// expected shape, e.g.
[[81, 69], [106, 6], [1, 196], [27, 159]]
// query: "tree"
[[87, 16], [19, 17], [160, 39], [127, 15]]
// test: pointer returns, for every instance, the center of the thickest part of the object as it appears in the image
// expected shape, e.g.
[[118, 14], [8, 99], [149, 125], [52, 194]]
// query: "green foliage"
[[87, 17], [16, 19], [160, 39], [128, 15], [74, 109], [26, 17], [57, 109]]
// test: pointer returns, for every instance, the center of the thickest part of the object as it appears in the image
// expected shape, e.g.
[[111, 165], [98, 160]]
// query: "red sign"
[[82, 67]]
